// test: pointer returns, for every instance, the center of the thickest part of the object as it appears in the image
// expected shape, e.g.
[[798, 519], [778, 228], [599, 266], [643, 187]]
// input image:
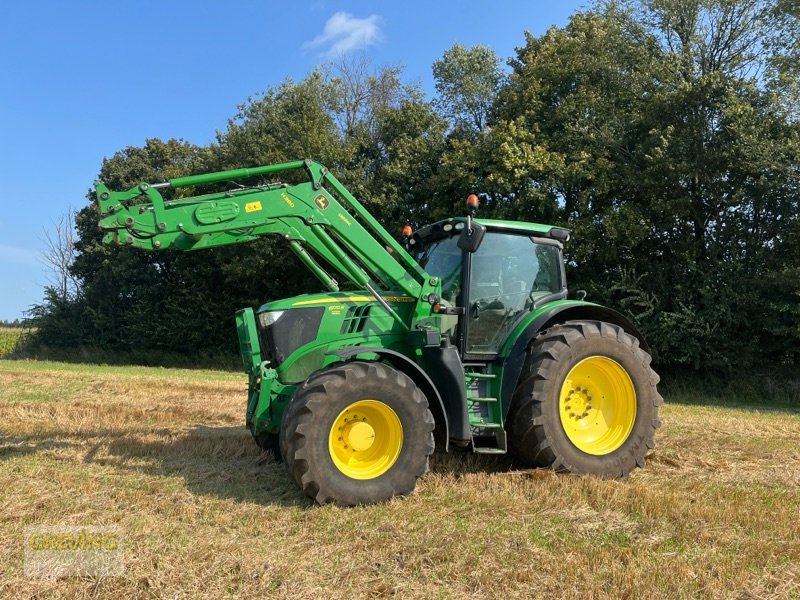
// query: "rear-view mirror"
[[471, 237]]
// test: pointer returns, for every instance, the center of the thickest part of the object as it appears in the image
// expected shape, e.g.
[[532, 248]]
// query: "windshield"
[[442, 259]]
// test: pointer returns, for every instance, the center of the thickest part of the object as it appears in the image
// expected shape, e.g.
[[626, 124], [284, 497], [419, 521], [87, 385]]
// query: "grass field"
[[162, 454]]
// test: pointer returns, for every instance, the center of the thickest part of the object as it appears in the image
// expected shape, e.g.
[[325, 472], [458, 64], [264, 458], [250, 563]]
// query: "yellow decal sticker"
[[336, 309], [353, 299], [343, 218], [321, 201], [252, 206], [340, 299], [287, 199]]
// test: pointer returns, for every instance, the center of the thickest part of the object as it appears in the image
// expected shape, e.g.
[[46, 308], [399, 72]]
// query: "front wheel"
[[586, 401], [357, 433]]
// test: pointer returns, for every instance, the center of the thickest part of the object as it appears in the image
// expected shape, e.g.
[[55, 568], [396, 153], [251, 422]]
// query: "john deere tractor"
[[461, 334]]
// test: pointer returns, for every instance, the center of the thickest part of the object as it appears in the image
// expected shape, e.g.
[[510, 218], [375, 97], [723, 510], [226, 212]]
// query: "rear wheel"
[[586, 401], [357, 433]]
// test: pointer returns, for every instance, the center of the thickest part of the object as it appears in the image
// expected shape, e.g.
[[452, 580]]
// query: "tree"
[[285, 122], [59, 254], [406, 157], [467, 80], [125, 296], [672, 162], [158, 305], [663, 133], [357, 92]]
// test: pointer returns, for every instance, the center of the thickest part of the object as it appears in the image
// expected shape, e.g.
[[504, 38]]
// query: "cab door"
[[507, 276]]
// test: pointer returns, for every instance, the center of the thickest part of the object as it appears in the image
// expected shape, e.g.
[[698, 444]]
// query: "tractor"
[[460, 334]]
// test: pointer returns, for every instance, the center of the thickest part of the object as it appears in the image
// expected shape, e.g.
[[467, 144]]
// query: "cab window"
[[509, 273]]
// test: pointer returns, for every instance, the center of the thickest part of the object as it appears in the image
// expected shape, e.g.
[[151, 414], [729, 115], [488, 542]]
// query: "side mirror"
[[471, 236]]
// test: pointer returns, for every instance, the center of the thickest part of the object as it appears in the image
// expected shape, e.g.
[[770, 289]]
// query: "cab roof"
[[515, 226], [452, 226]]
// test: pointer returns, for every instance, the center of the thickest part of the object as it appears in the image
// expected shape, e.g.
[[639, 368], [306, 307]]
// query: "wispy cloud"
[[19, 256], [344, 33]]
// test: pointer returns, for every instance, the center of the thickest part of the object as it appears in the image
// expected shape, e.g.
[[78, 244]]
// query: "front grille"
[[355, 319], [295, 328]]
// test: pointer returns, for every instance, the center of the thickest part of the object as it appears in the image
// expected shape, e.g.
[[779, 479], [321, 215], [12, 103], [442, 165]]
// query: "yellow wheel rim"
[[365, 439], [597, 405]]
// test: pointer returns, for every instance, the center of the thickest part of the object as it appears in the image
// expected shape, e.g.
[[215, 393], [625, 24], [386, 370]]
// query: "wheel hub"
[[578, 403], [365, 439], [597, 405], [359, 435]]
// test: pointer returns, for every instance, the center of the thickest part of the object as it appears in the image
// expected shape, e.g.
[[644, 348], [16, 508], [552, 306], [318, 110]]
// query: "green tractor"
[[461, 334]]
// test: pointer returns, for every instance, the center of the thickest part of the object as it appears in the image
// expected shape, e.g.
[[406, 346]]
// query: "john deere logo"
[[321, 201]]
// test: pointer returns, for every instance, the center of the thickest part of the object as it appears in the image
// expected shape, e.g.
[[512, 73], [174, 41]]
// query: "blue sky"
[[82, 80]]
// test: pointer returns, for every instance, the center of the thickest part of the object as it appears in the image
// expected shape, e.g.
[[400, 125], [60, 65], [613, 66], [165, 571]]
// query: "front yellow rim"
[[365, 439], [597, 405]]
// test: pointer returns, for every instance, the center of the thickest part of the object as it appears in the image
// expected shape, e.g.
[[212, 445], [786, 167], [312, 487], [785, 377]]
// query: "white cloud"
[[19, 256], [343, 33]]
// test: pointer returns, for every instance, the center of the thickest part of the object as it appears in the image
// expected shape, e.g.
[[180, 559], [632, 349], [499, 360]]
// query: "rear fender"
[[514, 354]]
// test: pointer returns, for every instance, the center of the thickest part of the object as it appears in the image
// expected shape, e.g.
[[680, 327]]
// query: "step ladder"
[[485, 417]]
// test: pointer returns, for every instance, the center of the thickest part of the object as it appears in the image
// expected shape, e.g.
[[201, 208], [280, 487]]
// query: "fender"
[[514, 356], [402, 363]]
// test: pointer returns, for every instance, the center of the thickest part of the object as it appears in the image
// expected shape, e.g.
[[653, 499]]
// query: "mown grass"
[[163, 455]]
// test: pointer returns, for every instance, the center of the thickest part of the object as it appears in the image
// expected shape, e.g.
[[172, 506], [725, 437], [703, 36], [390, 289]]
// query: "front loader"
[[462, 336]]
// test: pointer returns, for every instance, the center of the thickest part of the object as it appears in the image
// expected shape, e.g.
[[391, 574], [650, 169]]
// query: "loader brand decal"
[[252, 206], [287, 199], [345, 219], [321, 201]]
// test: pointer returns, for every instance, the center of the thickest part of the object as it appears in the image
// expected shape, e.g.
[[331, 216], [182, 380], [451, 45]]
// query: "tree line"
[[663, 133]]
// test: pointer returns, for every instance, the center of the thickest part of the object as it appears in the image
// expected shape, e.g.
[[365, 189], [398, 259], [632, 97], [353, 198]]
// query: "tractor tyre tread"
[[320, 399], [536, 435]]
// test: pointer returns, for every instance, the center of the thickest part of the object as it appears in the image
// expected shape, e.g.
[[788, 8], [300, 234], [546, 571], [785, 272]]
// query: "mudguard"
[[514, 351], [402, 363]]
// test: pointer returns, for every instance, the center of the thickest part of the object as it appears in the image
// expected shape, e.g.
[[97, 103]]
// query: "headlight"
[[270, 317]]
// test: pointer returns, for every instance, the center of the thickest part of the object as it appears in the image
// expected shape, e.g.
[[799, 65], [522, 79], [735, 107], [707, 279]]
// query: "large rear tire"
[[586, 401], [357, 433]]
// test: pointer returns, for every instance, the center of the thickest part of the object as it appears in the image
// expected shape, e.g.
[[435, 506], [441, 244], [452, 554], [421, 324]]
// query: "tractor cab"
[[493, 281]]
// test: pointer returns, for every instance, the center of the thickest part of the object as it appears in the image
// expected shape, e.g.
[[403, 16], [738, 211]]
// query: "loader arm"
[[318, 214]]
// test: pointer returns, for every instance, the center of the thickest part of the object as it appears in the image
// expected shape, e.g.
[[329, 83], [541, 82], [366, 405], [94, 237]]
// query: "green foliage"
[[663, 133], [168, 303], [673, 165], [467, 80]]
